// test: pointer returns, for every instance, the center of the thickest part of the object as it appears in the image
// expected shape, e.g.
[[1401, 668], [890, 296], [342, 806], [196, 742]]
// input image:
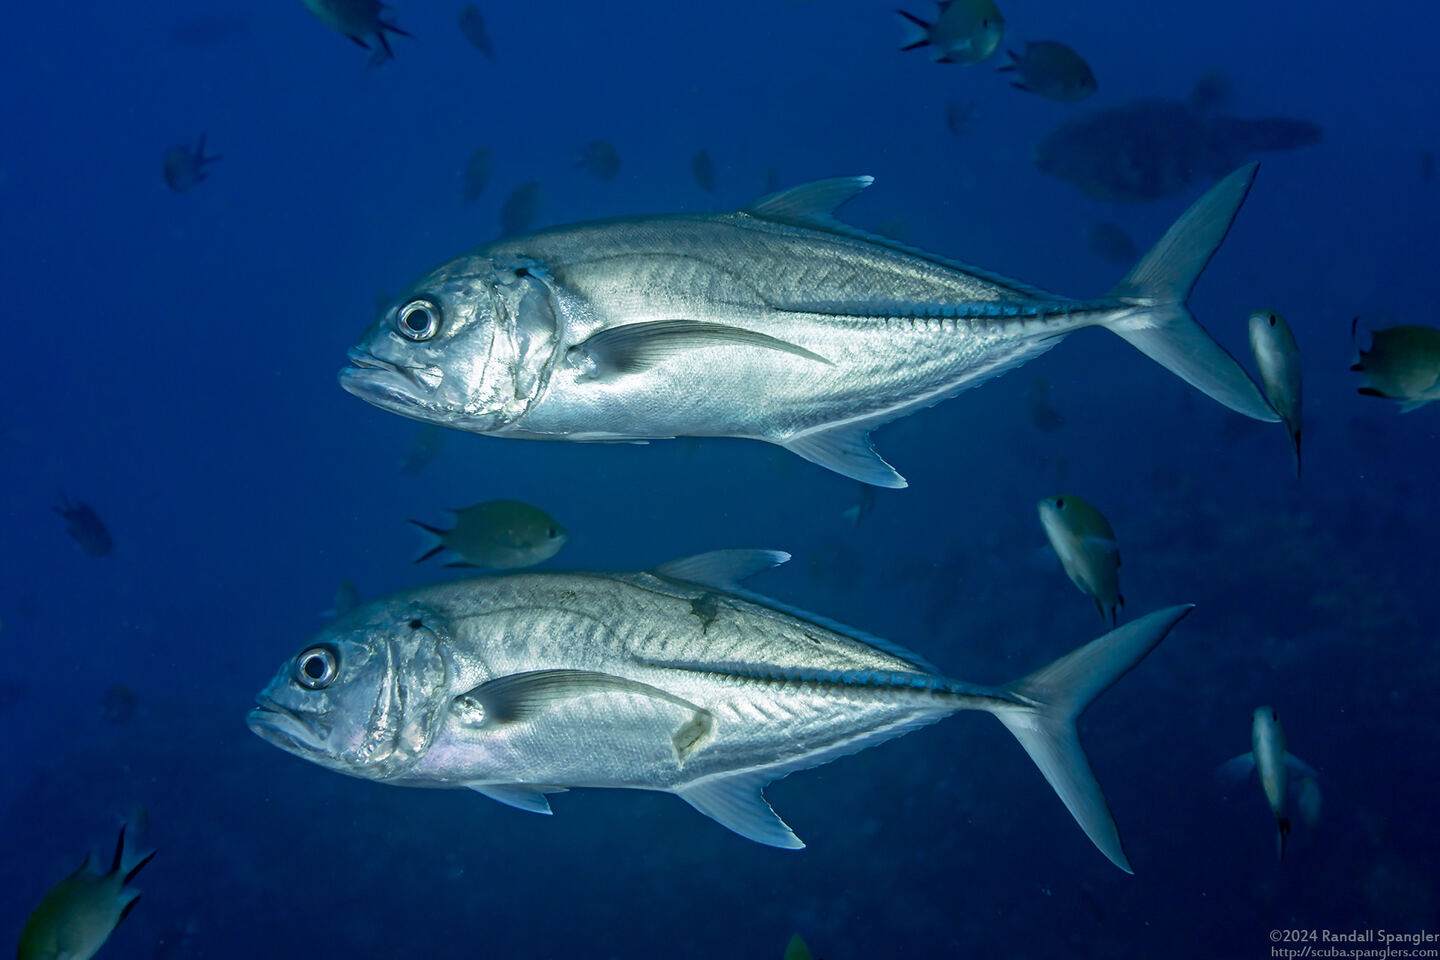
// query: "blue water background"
[[171, 360]]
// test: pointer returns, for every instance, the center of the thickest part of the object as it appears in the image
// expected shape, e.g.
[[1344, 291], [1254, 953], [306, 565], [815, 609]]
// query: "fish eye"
[[316, 668], [1059, 503], [418, 320], [1272, 319], [552, 533]]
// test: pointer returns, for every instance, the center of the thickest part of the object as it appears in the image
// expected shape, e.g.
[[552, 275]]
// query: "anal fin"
[[738, 803], [847, 451], [529, 797]]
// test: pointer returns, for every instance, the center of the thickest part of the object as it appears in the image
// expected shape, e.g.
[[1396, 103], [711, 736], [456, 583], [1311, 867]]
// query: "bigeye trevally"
[[1278, 358], [527, 684], [775, 323]]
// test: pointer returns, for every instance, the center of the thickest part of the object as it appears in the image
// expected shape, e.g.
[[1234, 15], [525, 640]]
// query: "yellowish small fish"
[[1401, 363], [1086, 545], [1278, 358], [79, 913], [358, 20], [1307, 798], [964, 31], [498, 534]]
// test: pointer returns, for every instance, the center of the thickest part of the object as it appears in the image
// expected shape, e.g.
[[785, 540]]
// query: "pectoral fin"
[[522, 796], [634, 347], [738, 803], [722, 569], [521, 696]]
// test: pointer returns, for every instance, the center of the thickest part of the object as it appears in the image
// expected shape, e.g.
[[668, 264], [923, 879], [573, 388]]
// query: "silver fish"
[[774, 323], [675, 680]]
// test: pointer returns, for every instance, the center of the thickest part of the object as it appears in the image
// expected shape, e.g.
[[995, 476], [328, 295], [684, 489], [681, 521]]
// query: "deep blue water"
[[172, 359]]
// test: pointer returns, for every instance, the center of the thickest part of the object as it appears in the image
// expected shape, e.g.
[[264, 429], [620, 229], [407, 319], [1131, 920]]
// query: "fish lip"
[[280, 726], [384, 384]]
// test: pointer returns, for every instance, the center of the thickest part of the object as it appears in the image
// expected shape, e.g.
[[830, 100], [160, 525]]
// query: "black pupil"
[[418, 319], [314, 666], [1060, 504]]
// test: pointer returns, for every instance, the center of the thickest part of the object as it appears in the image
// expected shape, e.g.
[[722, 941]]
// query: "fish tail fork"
[[1054, 698], [1160, 325]]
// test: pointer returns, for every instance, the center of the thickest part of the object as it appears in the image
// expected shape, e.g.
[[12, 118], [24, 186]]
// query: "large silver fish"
[[775, 323], [676, 680]]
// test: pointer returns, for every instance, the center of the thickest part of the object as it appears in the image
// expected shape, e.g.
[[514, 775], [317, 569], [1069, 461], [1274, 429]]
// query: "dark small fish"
[[896, 228], [472, 25], [862, 507], [1042, 412], [520, 209], [426, 445], [119, 703], [960, 116], [1401, 363], [704, 170], [358, 19], [476, 175], [185, 167], [1112, 243], [85, 527], [1427, 165], [1051, 70], [599, 159], [206, 31]]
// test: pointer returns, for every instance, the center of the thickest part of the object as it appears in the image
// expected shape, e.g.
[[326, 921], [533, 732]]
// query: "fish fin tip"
[[738, 803], [721, 569], [1059, 693], [811, 204], [522, 796], [848, 452], [1163, 328]]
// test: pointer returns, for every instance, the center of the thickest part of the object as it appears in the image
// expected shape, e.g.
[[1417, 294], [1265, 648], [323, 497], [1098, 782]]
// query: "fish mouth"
[[388, 385], [282, 727]]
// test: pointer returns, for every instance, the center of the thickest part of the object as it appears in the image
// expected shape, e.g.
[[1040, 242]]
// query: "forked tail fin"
[[1057, 695], [1163, 328]]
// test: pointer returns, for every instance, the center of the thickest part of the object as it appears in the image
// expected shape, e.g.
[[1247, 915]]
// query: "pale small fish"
[[185, 167], [1278, 358], [77, 916], [1270, 757], [522, 685], [703, 170], [521, 209], [776, 323], [475, 175], [964, 31], [1111, 242], [472, 28], [499, 535], [363, 21], [1085, 543], [1052, 70], [1401, 364], [85, 527], [599, 159]]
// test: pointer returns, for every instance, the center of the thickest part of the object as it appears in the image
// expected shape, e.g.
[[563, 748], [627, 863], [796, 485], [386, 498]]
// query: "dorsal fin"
[[811, 204], [721, 569]]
